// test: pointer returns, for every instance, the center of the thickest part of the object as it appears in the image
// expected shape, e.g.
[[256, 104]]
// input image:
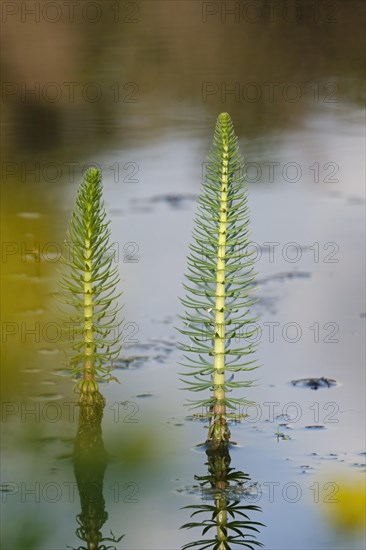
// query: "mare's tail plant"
[[220, 275], [88, 287]]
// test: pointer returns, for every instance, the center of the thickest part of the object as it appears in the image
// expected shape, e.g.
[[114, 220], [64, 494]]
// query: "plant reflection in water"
[[223, 515], [90, 464]]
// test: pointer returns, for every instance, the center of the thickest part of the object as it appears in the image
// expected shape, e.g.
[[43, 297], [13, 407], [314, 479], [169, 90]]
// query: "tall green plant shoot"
[[220, 286], [88, 286]]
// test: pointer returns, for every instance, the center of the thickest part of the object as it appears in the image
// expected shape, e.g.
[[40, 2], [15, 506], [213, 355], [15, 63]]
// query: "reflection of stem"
[[221, 520], [218, 468], [90, 463], [224, 486]]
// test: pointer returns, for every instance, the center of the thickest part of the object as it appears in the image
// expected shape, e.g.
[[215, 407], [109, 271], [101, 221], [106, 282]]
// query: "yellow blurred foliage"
[[348, 511]]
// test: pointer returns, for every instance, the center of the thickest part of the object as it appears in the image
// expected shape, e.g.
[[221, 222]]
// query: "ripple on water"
[[130, 362], [63, 446], [48, 397], [54, 439], [29, 215], [285, 417], [61, 372], [48, 351], [28, 278], [35, 311], [31, 371], [282, 277]]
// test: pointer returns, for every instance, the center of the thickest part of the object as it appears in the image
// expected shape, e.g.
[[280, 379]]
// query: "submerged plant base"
[[219, 432], [92, 405]]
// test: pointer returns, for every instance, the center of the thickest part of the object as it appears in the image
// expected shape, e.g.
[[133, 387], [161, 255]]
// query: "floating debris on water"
[[315, 427], [330, 456], [315, 383], [283, 437]]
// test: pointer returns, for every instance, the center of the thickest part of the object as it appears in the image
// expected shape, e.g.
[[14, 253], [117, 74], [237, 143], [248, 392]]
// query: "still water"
[[136, 87]]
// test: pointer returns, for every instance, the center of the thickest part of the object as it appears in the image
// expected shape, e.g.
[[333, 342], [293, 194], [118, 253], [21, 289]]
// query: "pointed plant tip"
[[93, 172], [224, 118]]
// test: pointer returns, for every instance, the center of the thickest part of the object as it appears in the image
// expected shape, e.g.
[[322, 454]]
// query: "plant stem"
[[219, 342], [89, 346]]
